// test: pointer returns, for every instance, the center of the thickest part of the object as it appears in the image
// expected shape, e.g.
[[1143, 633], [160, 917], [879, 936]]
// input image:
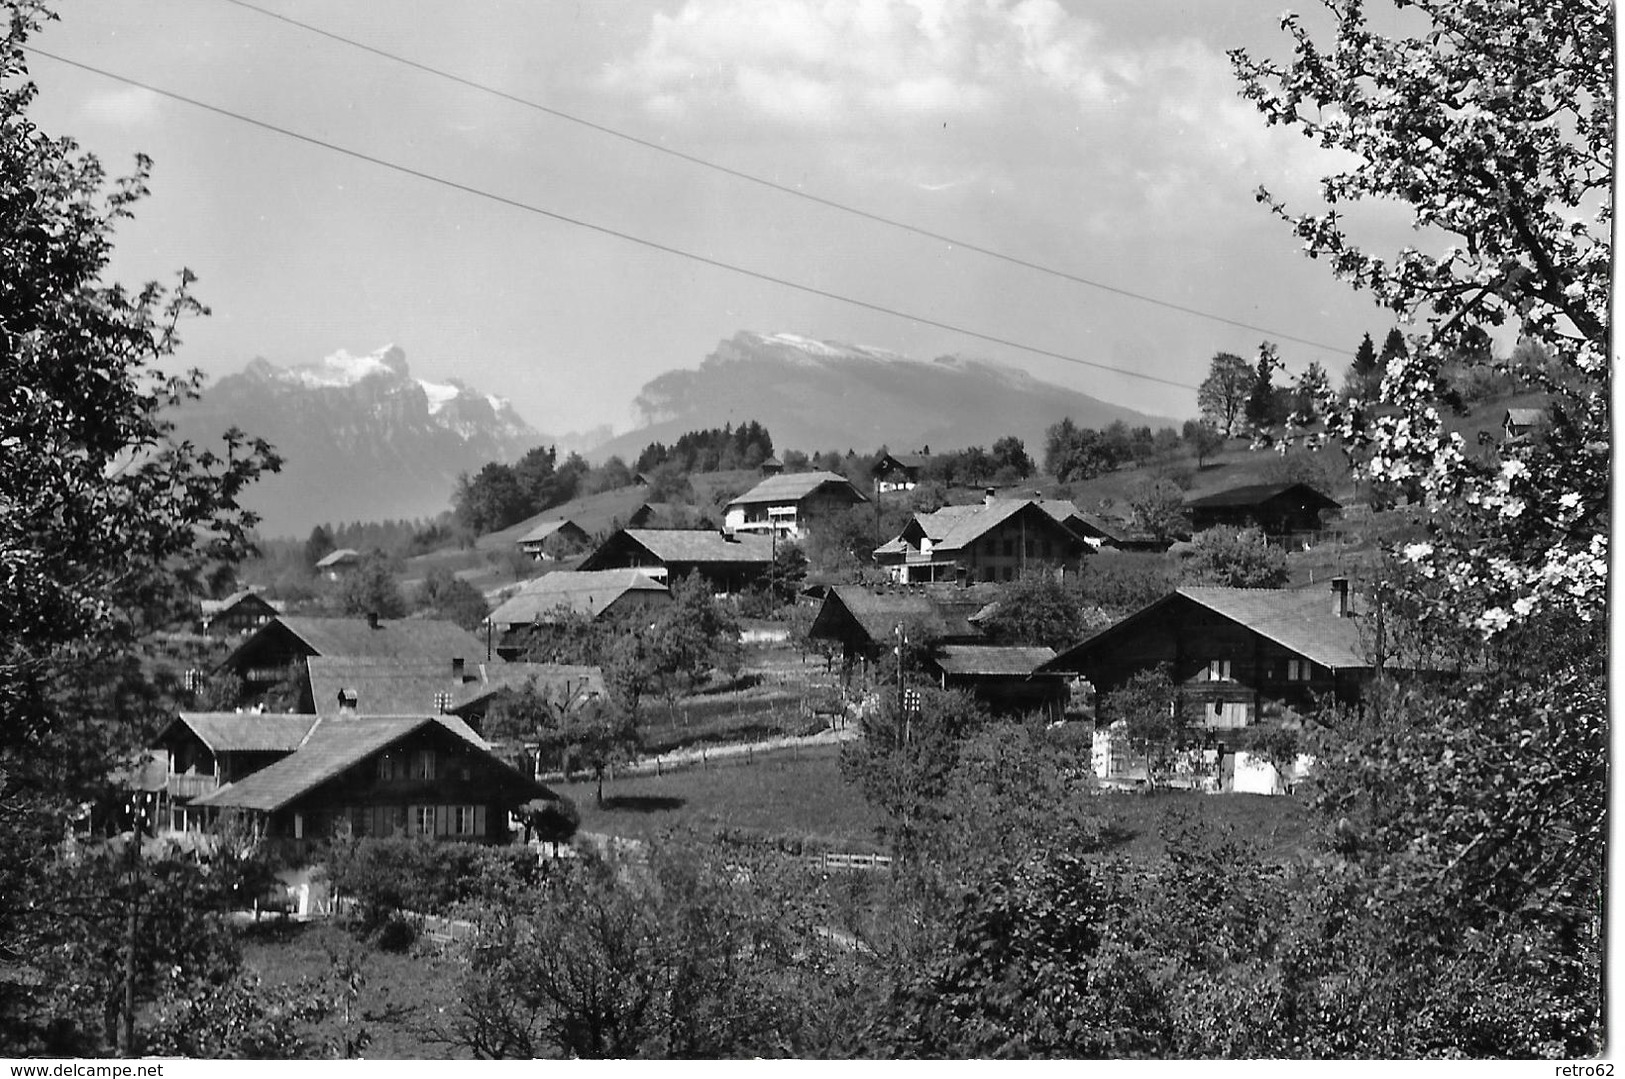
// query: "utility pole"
[[902, 690], [138, 812]]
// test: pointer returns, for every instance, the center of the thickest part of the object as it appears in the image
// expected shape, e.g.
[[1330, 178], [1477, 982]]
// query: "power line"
[[604, 229], [773, 185]]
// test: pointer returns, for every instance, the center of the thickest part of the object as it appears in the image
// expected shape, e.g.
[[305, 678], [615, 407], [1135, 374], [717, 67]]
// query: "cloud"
[[129, 107], [1019, 90]]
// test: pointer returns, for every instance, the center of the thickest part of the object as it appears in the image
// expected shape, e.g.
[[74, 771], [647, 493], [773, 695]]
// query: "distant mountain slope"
[[362, 438], [817, 395]]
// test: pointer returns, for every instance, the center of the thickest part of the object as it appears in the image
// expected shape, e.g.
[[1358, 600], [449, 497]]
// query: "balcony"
[[189, 786]]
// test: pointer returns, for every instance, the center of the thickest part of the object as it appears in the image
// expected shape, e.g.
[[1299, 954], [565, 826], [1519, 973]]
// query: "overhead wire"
[[774, 185], [654, 245]]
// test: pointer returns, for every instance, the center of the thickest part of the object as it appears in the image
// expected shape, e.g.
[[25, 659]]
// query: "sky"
[[1104, 140]]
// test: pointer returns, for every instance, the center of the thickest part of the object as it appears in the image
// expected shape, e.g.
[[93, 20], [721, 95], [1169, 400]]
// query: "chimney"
[[457, 670], [372, 619], [987, 497], [1340, 597], [348, 702]]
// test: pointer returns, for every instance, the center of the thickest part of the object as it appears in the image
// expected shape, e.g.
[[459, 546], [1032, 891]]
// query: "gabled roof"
[[216, 606], [991, 659], [339, 557], [794, 486], [386, 687], [1525, 416], [547, 529], [244, 732], [911, 461], [1300, 620], [696, 545], [954, 527], [1067, 512], [1256, 495], [407, 638], [583, 592], [332, 746], [553, 679], [878, 613]]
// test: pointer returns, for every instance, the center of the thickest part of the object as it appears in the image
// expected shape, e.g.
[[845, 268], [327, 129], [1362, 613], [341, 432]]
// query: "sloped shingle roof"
[[385, 687], [1255, 495], [546, 529], [332, 746], [245, 732], [879, 613], [339, 557], [702, 545], [407, 638], [793, 487], [584, 592], [991, 659], [581, 681]]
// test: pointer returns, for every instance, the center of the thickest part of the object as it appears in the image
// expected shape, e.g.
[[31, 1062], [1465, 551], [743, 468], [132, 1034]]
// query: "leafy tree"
[[109, 526], [904, 759], [1203, 438], [445, 595], [492, 499], [534, 476], [372, 588], [1364, 376], [1154, 714], [1010, 453], [1235, 558], [1037, 609], [1263, 408], [693, 634], [318, 546], [785, 574], [1157, 507], [1224, 393], [1308, 390]]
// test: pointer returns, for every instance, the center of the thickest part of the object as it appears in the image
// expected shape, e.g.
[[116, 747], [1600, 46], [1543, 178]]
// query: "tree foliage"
[[1224, 393], [1234, 558], [108, 529], [1037, 609]]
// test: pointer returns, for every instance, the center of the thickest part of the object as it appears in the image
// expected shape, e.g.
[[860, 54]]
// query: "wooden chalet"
[[554, 539], [237, 614], [784, 503], [865, 623], [1005, 678], [1278, 509], [553, 604], [204, 750], [427, 776], [899, 471], [1240, 656], [728, 563], [281, 646], [995, 540], [335, 564]]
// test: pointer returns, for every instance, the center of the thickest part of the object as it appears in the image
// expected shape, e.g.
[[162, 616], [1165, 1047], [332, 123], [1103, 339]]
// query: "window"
[[423, 764], [388, 766], [423, 820], [1218, 670], [1230, 714], [466, 820], [1297, 670]]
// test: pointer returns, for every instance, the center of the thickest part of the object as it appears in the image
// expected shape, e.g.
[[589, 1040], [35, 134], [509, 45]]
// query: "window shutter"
[[479, 820], [440, 823]]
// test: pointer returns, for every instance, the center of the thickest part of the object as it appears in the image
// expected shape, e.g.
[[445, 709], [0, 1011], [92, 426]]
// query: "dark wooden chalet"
[[898, 471], [1002, 677], [865, 623], [268, 656], [237, 614], [550, 540], [729, 563], [1276, 508], [1238, 655], [204, 750], [381, 776]]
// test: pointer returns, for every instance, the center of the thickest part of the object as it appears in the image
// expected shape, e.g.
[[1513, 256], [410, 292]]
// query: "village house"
[[558, 598], [727, 562], [899, 471], [278, 650], [1277, 509], [1005, 678], [996, 540], [239, 613], [550, 540], [1519, 423], [1240, 656], [206, 749], [337, 564], [429, 776], [783, 504], [866, 624]]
